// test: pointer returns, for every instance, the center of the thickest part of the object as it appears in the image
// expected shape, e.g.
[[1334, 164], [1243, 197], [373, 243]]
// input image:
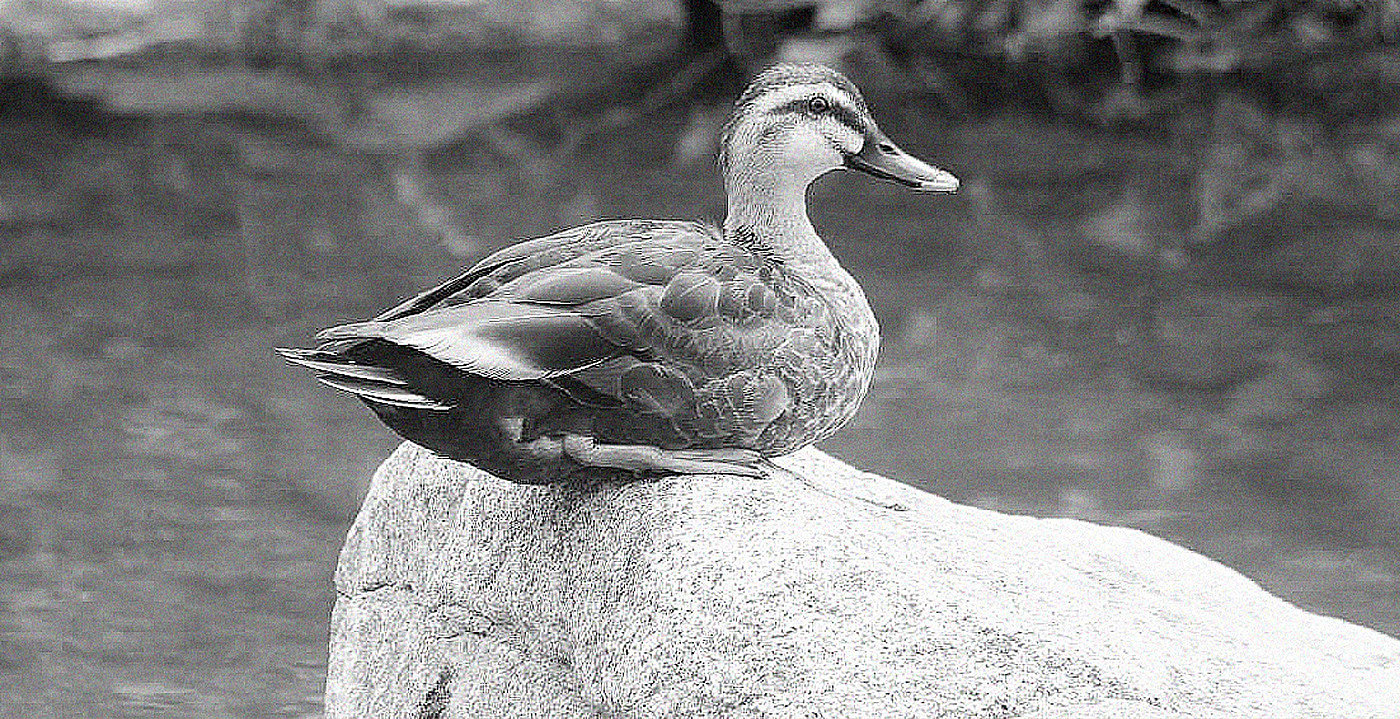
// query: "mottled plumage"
[[643, 345]]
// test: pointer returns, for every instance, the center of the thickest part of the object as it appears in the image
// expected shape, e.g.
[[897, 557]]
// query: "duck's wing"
[[511, 262], [543, 308], [666, 319]]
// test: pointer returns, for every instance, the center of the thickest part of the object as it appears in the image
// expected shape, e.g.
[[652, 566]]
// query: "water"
[[173, 496]]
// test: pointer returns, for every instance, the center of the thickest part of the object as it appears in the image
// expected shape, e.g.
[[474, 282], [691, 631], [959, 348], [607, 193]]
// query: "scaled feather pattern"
[[647, 332]]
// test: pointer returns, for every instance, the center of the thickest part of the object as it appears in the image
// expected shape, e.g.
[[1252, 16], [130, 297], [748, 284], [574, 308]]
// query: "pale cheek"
[[811, 154]]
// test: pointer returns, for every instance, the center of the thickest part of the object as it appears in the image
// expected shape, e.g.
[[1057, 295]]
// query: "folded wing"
[[661, 319]]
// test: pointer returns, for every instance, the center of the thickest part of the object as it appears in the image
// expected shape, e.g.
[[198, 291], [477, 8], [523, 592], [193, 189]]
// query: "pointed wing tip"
[[354, 330]]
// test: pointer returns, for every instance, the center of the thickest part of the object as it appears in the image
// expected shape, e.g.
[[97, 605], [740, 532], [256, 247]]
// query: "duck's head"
[[795, 123]]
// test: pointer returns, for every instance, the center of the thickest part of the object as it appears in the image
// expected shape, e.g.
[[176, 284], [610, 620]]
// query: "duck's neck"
[[768, 214]]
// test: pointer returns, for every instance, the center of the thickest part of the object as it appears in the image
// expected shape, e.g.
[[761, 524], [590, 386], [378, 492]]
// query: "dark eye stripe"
[[836, 110]]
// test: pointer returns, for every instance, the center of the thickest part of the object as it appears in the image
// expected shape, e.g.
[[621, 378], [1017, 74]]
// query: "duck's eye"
[[817, 105]]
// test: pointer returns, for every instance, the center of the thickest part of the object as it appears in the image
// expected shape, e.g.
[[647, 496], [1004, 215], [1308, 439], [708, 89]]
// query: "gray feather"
[[333, 364], [380, 393]]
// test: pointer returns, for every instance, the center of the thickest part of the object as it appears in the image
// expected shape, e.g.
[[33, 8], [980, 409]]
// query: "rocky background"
[[1166, 298]]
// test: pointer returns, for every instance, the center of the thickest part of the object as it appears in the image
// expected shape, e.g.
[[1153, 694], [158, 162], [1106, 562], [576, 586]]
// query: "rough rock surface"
[[824, 592]]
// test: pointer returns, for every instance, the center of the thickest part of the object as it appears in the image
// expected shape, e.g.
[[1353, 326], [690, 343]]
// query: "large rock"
[[823, 592]]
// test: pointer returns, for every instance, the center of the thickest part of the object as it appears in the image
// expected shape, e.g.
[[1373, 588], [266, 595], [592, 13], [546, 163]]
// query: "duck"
[[629, 348]]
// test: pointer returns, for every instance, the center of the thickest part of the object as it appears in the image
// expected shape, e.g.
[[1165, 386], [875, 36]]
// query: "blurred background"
[[1165, 299]]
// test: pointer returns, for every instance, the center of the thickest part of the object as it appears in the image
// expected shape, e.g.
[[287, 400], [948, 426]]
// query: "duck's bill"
[[883, 159]]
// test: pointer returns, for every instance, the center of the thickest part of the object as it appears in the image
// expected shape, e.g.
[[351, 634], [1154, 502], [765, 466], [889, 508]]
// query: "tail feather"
[[385, 394], [333, 364], [379, 384]]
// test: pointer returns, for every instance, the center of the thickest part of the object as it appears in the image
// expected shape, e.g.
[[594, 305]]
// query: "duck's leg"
[[643, 458]]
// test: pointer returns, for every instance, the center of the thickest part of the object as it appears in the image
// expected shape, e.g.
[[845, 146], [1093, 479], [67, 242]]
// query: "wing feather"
[[494, 339], [519, 259]]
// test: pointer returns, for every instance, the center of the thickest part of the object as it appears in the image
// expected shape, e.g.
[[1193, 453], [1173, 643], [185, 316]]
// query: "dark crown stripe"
[[779, 76]]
